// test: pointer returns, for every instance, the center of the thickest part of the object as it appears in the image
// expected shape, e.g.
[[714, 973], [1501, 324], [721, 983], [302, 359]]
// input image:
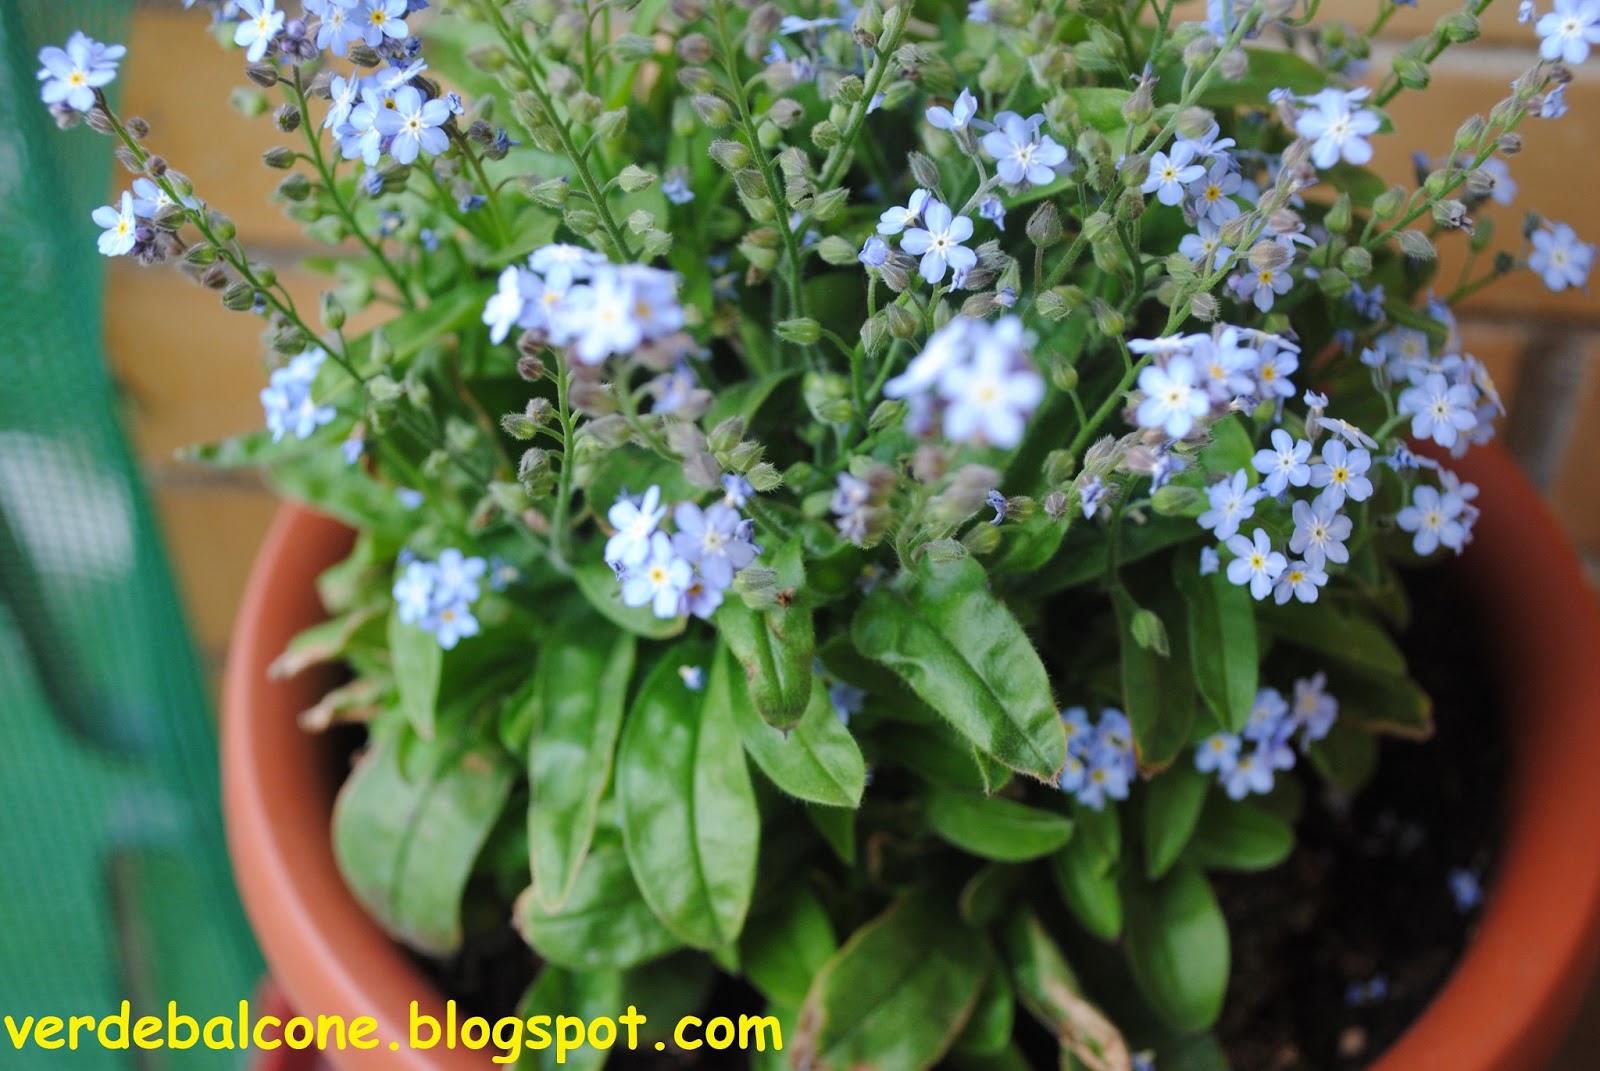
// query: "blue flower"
[[562, 265], [1091, 494], [410, 498], [1210, 561], [1232, 500], [957, 117], [456, 577], [72, 74], [1298, 581], [381, 19], [675, 389], [851, 505], [710, 540], [414, 125], [1023, 155], [1262, 286], [659, 580], [1172, 173], [1554, 104], [1205, 249], [846, 700], [1211, 195], [676, 188], [978, 11], [694, 677], [1320, 531], [1525, 11], [121, 227], [793, 24], [287, 398], [413, 592], [1315, 710], [993, 210], [617, 311], [509, 307], [1466, 889], [1439, 410], [1368, 303], [1559, 258], [896, 219], [336, 31], [1173, 399], [939, 242], [451, 623], [990, 397], [352, 449], [635, 523], [737, 490], [1217, 753], [1278, 360], [1285, 465], [1255, 563], [874, 253], [1250, 773], [1569, 30], [1343, 472], [997, 502], [1434, 519], [256, 32], [1336, 130]]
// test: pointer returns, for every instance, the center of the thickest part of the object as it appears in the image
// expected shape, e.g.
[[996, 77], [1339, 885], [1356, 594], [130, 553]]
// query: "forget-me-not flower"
[[1171, 174], [1285, 465], [1569, 30], [635, 523], [1255, 563], [72, 74], [1173, 399], [1439, 409], [1342, 472], [261, 25], [955, 117], [1338, 129], [1232, 501], [1320, 531], [414, 125], [1022, 153], [939, 243], [1434, 519], [1559, 258], [121, 227]]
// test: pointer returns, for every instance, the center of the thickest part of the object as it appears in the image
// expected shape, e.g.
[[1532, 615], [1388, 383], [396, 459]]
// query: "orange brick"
[[1499, 23], [1502, 347], [212, 532], [1575, 493]]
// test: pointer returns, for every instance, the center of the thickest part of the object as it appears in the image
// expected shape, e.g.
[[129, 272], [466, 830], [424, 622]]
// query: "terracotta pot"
[[1505, 1008]]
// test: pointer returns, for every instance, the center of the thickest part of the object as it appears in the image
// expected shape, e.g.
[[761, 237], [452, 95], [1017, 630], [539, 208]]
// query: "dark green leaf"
[[898, 994], [583, 678], [1343, 634], [604, 922], [1222, 642], [1100, 108], [967, 657], [687, 809], [817, 760], [838, 827], [1239, 836], [1157, 693], [599, 585], [1346, 756], [988, 895], [1392, 704], [1048, 989], [1084, 561], [1177, 945], [585, 994], [1088, 888], [995, 827], [1269, 69], [1230, 448], [408, 825], [784, 951], [776, 646], [1171, 810], [989, 1030]]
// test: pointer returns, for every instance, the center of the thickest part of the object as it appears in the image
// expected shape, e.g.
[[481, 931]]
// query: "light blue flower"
[[1277, 360], [994, 210], [1320, 531], [1343, 473], [1250, 774], [659, 580], [1525, 11], [1559, 258], [1554, 104], [1434, 519], [1466, 889], [1439, 410], [72, 74], [1205, 249], [261, 25], [1091, 495], [1269, 717], [456, 576], [1210, 561], [1285, 465], [1255, 563], [736, 490], [846, 700], [1262, 286], [413, 592], [1227, 366], [450, 623], [1315, 710], [1173, 399], [990, 397], [1172, 173], [510, 305], [709, 539], [896, 219], [287, 402], [676, 188], [694, 677], [1211, 195], [1337, 128], [1023, 154], [410, 498], [635, 524], [352, 449], [1217, 753], [381, 19], [673, 390], [121, 226], [337, 31], [359, 136], [793, 24], [939, 242], [874, 253], [1298, 581], [1232, 500], [956, 117], [617, 311], [1567, 32], [414, 125]]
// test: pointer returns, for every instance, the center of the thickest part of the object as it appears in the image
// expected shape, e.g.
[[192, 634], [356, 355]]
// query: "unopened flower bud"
[[1044, 226], [1411, 71], [1458, 27], [1450, 214], [923, 170], [200, 255], [731, 155], [713, 111], [264, 75], [530, 368], [332, 311], [215, 278], [240, 297], [634, 178], [1417, 245], [802, 330], [1268, 255], [287, 118], [1148, 632], [903, 324], [1204, 307], [279, 158], [1356, 262], [1109, 321]]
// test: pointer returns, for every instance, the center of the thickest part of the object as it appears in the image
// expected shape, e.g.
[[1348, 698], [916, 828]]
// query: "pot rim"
[[1518, 984]]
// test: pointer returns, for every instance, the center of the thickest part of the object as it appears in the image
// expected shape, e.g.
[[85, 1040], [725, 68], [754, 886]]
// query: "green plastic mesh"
[[113, 880]]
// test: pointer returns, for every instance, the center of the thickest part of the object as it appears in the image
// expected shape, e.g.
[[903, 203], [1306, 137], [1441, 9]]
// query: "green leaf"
[[994, 827], [599, 585], [1230, 448], [988, 895], [838, 827], [1388, 703], [585, 994], [1342, 634], [1084, 560], [1088, 888], [898, 994], [989, 1030], [418, 665], [1239, 836], [1346, 756], [408, 825], [776, 646], [786, 949], [965, 655], [1157, 693], [1177, 945], [1222, 642], [1048, 989], [582, 687], [604, 922], [1269, 69], [817, 761], [1100, 108], [687, 808], [1172, 809]]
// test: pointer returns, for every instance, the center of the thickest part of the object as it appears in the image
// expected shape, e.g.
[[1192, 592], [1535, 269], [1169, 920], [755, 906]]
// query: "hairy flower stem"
[[1391, 84], [346, 212], [528, 64]]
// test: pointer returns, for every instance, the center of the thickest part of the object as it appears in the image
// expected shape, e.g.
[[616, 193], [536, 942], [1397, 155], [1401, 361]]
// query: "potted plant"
[[856, 518]]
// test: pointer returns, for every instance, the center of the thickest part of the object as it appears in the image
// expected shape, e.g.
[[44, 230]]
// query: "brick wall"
[[191, 370]]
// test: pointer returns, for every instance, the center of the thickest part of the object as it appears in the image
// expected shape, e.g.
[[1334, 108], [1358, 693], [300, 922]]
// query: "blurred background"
[[182, 369]]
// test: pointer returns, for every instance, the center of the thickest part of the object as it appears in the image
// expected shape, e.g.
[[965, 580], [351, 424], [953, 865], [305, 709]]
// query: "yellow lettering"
[[610, 1039], [44, 1033], [19, 1037], [563, 1044], [720, 1025], [120, 1021], [263, 1040], [330, 1024], [508, 1039], [362, 1027], [144, 1030], [760, 1023], [633, 1021], [539, 1026], [677, 1033], [174, 1021], [75, 1024], [216, 1039], [302, 1026], [417, 1020]]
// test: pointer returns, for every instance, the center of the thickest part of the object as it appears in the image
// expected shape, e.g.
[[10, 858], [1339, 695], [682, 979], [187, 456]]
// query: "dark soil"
[[1367, 894]]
